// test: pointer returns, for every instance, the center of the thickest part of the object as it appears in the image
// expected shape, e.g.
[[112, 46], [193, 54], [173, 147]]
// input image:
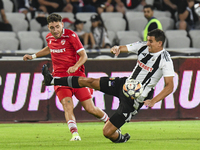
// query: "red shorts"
[[81, 94]]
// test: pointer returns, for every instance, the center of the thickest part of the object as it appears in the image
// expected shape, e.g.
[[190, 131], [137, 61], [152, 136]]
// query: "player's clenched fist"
[[115, 50]]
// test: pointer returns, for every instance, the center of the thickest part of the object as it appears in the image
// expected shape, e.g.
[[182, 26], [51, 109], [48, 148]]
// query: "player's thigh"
[[93, 83], [65, 96], [89, 105], [111, 86], [83, 94]]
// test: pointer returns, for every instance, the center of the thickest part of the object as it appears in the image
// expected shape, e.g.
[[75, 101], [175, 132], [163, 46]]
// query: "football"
[[132, 88]]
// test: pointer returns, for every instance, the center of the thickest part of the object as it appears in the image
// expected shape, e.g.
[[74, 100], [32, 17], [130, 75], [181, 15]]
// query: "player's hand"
[[72, 69], [149, 103], [115, 50], [26, 57]]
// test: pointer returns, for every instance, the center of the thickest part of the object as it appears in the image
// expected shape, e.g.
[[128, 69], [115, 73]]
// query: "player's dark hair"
[[148, 6], [158, 34], [54, 18]]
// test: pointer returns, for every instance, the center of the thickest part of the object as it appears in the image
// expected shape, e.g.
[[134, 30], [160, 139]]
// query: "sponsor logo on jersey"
[[63, 42], [142, 65], [73, 35], [144, 54], [57, 50]]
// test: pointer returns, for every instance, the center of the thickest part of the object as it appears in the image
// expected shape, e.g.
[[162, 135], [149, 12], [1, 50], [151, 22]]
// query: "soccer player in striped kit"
[[68, 57], [153, 63]]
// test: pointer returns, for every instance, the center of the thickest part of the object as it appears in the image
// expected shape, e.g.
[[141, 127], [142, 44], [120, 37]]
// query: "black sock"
[[71, 81], [120, 139]]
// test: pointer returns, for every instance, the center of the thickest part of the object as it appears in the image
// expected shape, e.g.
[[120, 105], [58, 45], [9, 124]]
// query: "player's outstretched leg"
[[47, 76]]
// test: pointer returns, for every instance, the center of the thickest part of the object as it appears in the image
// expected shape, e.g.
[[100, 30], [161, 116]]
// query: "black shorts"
[[126, 109]]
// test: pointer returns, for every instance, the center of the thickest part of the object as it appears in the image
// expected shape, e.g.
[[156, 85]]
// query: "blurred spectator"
[[188, 19], [119, 6], [99, 32], [35, 9], [103, 6], [134, 5], [171, 6], [4, 23], [56, 5], [83, 6], [153, 23], [84, 37], [25, 6]]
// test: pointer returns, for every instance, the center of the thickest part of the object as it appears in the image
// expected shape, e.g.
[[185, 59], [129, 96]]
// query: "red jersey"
[[64, 52]]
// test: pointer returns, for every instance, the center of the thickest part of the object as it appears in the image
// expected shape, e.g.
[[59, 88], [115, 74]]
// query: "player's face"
[[56, 29], [153, 45], [148, 13]]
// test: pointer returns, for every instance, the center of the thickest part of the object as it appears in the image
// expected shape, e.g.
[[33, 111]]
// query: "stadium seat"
[[8, 5], [85, 16], [134, 14], [177, 39], [107, 15], [111, 36], [137, 24], [149, 2], [167, 23], [158, 13], [129, 39], [35, 26], [44, 34], [115, 24], [6, 38], [7, 34], [30, 39], [9, 43], [195, 37], [176, 33], [178, 42], [18, 22], [122, 34]]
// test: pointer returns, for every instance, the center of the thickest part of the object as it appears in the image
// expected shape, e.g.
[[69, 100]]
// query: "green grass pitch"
[[148, 135]]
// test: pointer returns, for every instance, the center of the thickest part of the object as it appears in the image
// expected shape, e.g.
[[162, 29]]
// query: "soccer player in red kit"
[[68, 57]]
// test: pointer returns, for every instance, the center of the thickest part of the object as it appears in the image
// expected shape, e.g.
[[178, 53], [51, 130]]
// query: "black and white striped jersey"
[[150, 67]]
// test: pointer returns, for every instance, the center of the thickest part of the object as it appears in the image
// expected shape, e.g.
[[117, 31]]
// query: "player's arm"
[[45, 51], [80, 62], [119, 49], [169, 85]]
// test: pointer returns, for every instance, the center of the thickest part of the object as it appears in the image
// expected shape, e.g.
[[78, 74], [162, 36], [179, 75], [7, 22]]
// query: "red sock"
[[72, 126], [105, 118]]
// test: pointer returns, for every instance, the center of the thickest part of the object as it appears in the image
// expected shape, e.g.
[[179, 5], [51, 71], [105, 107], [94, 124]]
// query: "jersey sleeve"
[[167, 67], [134, 47], [75, 41]]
